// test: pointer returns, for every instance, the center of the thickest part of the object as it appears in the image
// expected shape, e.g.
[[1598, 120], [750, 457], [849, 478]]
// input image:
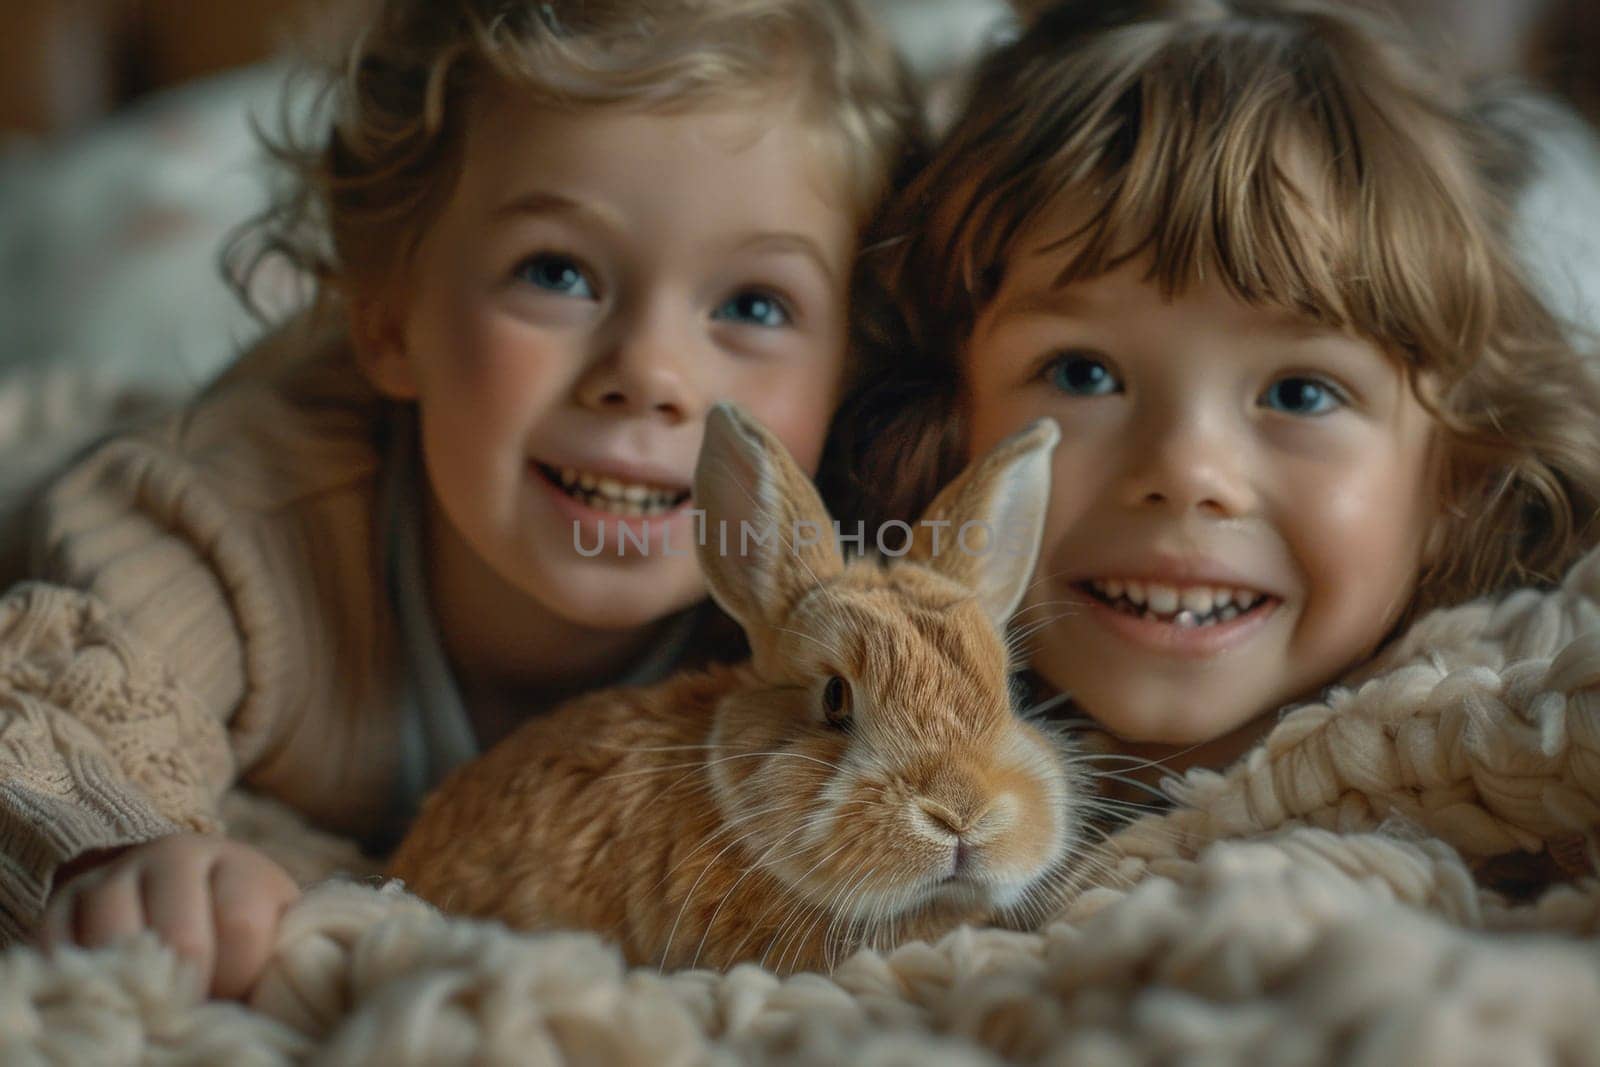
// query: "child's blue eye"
[[558, 274], [755, 307], [1302, 396], [1082, 376]]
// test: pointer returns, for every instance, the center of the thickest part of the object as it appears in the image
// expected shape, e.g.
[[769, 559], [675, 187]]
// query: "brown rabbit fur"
[[862, 780]]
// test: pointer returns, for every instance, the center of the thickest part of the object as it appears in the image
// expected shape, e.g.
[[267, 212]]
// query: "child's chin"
[[1167, 720], [629, 600]]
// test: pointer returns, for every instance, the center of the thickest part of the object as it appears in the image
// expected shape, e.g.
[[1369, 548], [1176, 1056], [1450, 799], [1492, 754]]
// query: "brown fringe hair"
[[1167, 124]]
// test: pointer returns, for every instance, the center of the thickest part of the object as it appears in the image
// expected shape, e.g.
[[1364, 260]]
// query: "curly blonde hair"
[[387, 144], [1303, 154]]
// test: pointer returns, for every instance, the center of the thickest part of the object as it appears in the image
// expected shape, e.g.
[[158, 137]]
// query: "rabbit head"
[[879, 769]]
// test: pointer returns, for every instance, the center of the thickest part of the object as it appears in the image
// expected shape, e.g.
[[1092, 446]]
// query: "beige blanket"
[[1317, 903]]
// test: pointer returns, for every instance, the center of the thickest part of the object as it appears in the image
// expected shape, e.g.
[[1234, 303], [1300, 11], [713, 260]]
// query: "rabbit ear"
[[984, 528], [767, 538]]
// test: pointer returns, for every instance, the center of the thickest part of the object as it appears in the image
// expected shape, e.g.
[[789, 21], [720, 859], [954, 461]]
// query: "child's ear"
[[381, 351]]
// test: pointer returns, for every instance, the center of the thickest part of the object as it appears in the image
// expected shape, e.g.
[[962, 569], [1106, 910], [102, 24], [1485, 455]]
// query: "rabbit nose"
[[962, 831], [942, 817]]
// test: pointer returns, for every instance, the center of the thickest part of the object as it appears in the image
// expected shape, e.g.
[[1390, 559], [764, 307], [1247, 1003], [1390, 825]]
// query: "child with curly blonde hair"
[[546, 237], [1253, 258]]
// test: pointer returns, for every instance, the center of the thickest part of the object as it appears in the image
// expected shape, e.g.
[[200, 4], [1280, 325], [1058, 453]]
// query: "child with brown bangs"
[[1252, 257], [546, 238]]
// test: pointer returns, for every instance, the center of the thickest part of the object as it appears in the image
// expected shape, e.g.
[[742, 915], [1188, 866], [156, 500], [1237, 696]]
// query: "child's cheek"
[[798, 413]]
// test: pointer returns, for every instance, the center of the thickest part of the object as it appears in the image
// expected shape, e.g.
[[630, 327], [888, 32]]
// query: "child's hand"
[[216, 902]]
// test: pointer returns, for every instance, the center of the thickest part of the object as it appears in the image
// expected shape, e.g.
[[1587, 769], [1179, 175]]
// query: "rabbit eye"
[[836, 702]]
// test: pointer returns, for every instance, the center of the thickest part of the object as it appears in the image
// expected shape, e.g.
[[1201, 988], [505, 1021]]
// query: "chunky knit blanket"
[[1347, 892]]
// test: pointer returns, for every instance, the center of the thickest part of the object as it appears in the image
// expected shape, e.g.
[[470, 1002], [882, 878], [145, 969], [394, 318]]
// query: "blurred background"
[[67, 63], [126, 156]]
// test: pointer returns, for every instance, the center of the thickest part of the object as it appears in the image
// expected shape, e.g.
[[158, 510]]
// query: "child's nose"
[[1188, 463], [647, 369]]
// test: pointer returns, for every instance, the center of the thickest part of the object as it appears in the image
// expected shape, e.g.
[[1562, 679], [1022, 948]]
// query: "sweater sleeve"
[[204, 608], [99, 745]]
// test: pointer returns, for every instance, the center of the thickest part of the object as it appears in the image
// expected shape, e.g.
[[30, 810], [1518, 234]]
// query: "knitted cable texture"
[[62, 649]]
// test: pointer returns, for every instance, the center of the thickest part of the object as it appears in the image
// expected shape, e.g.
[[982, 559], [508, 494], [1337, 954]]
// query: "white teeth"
[[1195, 605], [619, 498]]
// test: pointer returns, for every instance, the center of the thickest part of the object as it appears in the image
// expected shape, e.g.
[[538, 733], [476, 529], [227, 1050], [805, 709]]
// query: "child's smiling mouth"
[[1170, 618], [604, 493], [1185, 607]]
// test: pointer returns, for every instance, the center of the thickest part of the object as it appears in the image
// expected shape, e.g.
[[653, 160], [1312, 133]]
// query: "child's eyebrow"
[[1057, 301], [547, 203], [786, 243]]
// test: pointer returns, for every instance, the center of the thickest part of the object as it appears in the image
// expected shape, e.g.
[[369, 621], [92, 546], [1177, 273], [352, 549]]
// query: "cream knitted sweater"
[[206, 606]]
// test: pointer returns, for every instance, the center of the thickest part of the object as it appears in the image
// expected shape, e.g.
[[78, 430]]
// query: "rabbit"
[[861, 780]]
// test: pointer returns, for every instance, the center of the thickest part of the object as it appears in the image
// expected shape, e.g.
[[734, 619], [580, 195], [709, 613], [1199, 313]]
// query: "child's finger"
[[177, 906], [60, 918], [109, 911], [245, 908], [58, 925]]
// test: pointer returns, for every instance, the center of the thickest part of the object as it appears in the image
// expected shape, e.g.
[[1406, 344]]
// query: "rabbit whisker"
[[831, 767], [705, 764], [1134, 763], [1045, 705], [827, 909], [1038, 580], [1017, 638], [1061, 882], [1077, 724], [656, 748], [1095, 872], [728, 827], [688, 897], [1115, 813], [751, 815], [829, 933], [1028, 628], [834, 943], [797, 914], [1134, 783], [793, 894], [832, 936], [1040, 604], [838, 656], [857, 924], [754, 866], [1157, 761], [1056, 890], [808, 824], [640, 772], [793, 910]]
